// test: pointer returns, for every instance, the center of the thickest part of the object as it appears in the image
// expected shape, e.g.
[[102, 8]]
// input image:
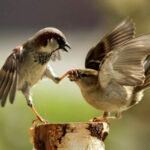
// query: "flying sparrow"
[[117, 71], [28, 63]]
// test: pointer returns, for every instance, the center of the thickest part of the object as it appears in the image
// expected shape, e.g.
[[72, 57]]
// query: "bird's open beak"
[[65, 47]]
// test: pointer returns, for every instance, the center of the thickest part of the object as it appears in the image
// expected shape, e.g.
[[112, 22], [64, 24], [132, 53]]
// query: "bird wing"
[[9, 77], [118, 36], [125, 65]]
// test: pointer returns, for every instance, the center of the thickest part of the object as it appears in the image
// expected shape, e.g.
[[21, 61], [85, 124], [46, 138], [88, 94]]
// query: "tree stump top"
[[70, 136]]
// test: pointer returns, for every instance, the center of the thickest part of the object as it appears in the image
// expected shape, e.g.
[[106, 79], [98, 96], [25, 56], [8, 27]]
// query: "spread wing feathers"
[[125, 65], [147, 74], [8, 79], [118, 36], [55, 56]]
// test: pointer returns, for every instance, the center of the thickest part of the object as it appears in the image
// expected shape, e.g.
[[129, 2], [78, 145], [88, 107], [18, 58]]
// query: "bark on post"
[[70, 136]]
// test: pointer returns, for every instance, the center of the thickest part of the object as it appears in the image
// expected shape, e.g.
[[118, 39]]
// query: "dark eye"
[[44, 42], [84, 75]]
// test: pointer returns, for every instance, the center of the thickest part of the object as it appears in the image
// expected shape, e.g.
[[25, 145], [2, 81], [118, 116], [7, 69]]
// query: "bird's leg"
[[27, 94], [118, 115], [51, 75], [63, 76], [106, 116], [39, 118], [73, 71]]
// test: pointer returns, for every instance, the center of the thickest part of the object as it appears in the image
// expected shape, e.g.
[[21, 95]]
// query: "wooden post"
[[70, 136]]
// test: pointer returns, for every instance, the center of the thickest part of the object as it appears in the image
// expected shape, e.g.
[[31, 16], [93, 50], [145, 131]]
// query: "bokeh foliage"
[[64, 103]]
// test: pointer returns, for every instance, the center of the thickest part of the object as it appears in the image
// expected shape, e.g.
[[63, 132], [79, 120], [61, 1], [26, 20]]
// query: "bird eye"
[[44, 42]]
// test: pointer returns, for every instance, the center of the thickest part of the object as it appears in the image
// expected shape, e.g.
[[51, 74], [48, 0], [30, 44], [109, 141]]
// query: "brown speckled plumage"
[[28, 63], [42, 57]]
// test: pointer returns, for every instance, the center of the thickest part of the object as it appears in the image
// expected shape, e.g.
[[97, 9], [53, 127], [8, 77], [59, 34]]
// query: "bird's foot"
[[57, 79], [73, 74], [104, 118], [39, 119], [98, 119]]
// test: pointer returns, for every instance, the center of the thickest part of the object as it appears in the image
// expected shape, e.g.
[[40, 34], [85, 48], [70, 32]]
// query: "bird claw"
[[104, 118], [73, 74], [98, 119], [57, 80], [39, 119], [43, 121]]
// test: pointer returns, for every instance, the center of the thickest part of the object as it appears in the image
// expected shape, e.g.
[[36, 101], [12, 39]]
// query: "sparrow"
[[29, 63], [117, 71]]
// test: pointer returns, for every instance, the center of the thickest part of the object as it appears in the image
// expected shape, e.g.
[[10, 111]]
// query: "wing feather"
[[9, 84], [8, 78], [14, 88], [125, 65], [124, 32], [4, 83]]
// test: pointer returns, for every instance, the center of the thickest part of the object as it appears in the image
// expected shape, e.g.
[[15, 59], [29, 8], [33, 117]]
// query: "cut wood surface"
[[70, 136]]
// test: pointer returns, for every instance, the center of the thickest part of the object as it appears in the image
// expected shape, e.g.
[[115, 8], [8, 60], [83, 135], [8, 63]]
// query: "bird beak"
[[66, 45], [63, 47]]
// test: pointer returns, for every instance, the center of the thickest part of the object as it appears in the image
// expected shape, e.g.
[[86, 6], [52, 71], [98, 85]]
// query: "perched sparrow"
[[28, 63], [117, 71]]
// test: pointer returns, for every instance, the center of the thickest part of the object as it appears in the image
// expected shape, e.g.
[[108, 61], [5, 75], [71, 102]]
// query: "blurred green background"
[[84, 22]]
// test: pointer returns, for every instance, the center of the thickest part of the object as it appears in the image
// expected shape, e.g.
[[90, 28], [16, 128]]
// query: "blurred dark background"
[[84, 22]]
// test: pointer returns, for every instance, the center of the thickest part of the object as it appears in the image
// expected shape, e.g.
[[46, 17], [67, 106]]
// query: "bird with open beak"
[[117, 71], [29, 63]]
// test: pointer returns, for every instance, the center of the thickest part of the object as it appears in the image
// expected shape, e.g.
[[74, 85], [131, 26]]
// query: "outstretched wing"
[[9, 78], [125, 65], [124, 32]]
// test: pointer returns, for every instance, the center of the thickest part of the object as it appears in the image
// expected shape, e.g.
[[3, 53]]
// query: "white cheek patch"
[[53, 44], [52, 40]]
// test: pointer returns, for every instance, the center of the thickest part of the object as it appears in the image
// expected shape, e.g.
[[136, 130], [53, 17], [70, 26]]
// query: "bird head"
[[84, 77], [49, 40]]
